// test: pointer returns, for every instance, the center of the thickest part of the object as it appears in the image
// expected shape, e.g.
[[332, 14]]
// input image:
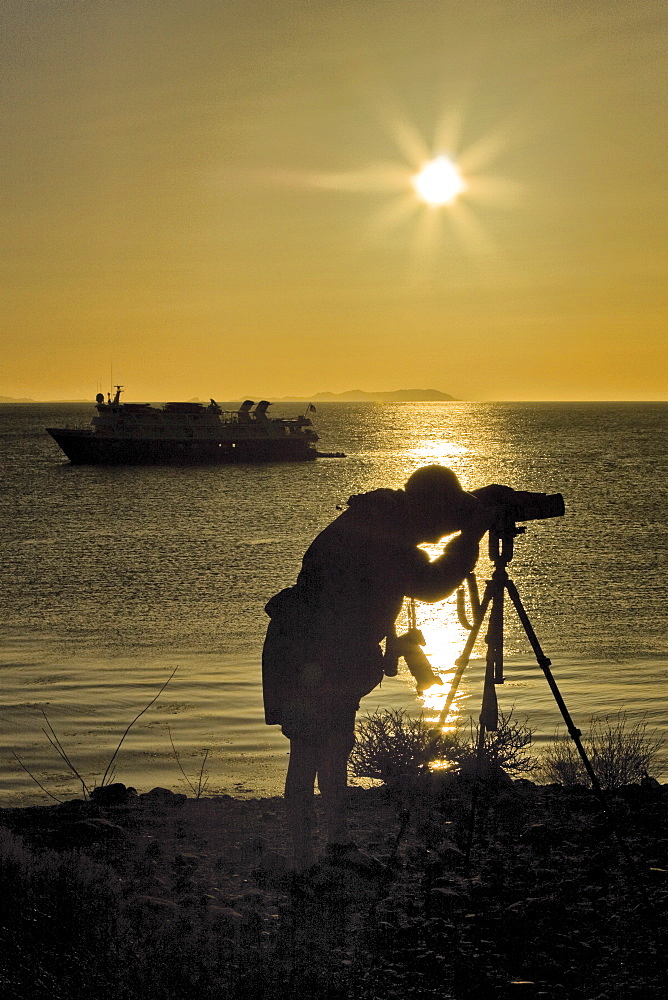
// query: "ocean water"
[[115, 577]]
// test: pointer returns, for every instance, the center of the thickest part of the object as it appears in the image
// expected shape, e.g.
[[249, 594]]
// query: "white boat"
[[187, 433]]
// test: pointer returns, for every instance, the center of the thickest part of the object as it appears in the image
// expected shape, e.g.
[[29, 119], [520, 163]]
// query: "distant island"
[[26, 399], [360, 396], [351, 396]]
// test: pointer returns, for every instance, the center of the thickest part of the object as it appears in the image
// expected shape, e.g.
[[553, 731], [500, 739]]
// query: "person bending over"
[[322, 650]]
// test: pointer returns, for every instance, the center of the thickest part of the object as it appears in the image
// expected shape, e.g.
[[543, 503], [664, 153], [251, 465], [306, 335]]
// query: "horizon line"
[[8, 400]]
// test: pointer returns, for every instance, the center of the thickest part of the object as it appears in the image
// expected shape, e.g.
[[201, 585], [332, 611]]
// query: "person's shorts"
[[313, 717], [312, 690]]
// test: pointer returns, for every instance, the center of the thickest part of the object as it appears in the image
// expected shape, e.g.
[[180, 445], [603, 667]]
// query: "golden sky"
[[214, 197]]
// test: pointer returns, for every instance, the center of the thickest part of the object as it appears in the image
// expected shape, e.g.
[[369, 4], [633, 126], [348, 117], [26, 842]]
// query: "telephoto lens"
[[409, 645], [521, 505]]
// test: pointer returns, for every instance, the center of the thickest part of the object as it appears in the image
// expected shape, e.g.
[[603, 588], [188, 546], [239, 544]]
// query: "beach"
[[163, 895]]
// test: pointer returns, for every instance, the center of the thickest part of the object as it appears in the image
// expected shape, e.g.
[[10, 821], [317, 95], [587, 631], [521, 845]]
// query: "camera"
[[409, 646], [520, 505]]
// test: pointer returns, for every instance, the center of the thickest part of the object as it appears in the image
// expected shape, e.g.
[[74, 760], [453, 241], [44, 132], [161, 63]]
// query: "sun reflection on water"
[[445, 637], [436, 452], [442, 765], [444, 641]]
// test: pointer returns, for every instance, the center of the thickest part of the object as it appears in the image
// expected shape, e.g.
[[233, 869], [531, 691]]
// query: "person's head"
[[438, 503]]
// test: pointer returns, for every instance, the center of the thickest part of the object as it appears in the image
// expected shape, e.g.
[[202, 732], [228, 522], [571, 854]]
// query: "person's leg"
[[340, 850], [299, 786], [332, 768]]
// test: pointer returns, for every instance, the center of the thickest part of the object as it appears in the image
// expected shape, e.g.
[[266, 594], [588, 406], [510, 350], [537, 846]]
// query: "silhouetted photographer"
[[322, 651]]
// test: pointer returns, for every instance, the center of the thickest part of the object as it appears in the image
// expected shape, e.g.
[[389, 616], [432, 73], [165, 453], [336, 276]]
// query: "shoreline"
[[210, 705], [545, 900]]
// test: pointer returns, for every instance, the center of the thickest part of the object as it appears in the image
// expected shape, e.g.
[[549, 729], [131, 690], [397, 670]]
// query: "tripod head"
[[502, 542], [510, 506], [502, 537]]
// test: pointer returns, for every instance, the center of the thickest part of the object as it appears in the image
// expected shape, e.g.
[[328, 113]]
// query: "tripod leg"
[[489, 713], [476, 784], [495, 631], [488, 722], [544, 663], [462, 661], [575, 735]]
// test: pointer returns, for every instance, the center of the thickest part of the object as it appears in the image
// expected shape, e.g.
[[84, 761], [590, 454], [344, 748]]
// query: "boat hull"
[[88, 448]]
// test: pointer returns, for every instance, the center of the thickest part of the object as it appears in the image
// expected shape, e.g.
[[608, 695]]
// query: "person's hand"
[[479, 519], [493, 499]]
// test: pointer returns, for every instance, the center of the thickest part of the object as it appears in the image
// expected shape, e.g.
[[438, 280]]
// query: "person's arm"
[[434, 581]]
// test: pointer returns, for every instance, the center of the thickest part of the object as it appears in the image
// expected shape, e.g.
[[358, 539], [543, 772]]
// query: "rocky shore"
[[159, 895]]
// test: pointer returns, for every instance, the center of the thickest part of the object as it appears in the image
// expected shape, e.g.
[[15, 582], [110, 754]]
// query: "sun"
[[439, 182]]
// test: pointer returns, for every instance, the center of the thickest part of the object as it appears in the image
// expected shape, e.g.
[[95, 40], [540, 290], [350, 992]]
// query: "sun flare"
[[430, 194], [439, 182]]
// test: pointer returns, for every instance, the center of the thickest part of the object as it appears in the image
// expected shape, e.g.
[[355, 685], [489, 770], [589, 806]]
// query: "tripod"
[[501, 549]]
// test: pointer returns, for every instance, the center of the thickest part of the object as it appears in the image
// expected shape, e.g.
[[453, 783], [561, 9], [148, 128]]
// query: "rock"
[[112, 795], [271, 870], [257, 844], [540, 835], [164, 907], [447, 849], [443, 900], [637, 795], [72, 808], [225, 913], [85, 833], [520, 988], [187, 861], [163, 797], [489, 774]]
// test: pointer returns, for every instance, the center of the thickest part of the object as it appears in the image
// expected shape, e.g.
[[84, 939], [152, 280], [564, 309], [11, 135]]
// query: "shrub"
[[621, 752], [392, 746], [506, 747]]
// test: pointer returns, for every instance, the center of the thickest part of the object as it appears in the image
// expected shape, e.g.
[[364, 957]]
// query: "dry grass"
[[621, 752], [392, 746]]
